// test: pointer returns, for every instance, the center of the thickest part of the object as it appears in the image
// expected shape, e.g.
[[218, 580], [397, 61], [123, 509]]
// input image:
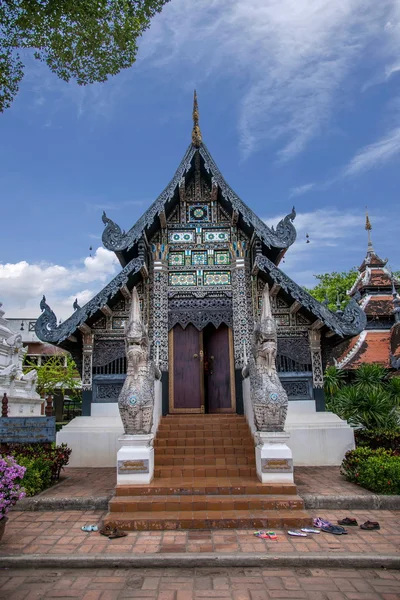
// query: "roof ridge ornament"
[[368, 228], [196, 133]]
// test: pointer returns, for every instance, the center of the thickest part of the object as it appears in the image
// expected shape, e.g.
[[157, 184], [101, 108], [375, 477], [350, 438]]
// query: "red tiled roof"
[[374, 349]]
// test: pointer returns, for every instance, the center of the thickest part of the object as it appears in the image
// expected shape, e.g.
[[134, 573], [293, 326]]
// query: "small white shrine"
[[23, 399]]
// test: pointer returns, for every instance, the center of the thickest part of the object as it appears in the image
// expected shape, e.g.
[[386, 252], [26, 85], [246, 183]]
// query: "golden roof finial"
[[368, 228], [196, 133]]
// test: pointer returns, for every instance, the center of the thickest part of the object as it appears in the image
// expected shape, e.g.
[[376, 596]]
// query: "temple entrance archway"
[[202, 377]]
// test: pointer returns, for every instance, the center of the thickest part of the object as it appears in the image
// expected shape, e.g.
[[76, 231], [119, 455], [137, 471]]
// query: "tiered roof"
[[377, 291]]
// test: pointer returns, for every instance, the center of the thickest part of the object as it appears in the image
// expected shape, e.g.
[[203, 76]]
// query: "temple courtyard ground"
[[45, 554]]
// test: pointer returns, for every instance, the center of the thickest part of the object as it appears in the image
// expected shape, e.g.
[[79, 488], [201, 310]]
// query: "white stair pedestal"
[[274, 461], [135, 459]]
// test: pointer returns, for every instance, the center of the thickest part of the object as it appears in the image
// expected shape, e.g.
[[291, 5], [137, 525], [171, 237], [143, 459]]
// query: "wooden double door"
[[201, 370]]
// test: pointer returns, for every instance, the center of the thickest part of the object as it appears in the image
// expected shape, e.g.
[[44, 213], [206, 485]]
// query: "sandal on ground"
[[370, 525], [348, 521], [310, 530], [107, 530], [90, 528], [297, 533], [272, 535], [117, 533], [335, 529]]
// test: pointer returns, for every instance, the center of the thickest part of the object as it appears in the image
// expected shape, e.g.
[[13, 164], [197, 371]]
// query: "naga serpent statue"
[[136, 399], [269, 399]]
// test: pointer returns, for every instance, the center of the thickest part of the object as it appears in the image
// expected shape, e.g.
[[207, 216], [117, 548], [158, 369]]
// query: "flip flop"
[[309, 530], [272, 535], [106, 530], [117, 533], [370, 526], [297, 533], [348, 521], [86, 528]]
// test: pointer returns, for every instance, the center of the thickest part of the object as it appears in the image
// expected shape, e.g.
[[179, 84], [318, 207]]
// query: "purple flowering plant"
[[11, 491]]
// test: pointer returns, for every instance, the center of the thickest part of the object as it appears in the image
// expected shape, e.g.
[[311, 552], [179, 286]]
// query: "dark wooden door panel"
[[218, 380], [187, 389]]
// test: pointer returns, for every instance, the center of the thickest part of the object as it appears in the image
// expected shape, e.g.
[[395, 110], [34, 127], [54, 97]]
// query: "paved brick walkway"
[[195, 584], [59, 532], [83, 483]]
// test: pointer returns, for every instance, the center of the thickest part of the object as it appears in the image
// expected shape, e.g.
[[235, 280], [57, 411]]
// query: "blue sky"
[[299, 104]]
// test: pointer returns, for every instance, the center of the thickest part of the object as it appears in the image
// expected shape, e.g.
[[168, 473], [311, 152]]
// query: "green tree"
[[56, 375], [86, 40], [330, 286]]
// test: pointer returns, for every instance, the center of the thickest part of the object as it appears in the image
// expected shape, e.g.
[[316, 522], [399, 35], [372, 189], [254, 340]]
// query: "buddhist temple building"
[[376, 290], [199, 258]]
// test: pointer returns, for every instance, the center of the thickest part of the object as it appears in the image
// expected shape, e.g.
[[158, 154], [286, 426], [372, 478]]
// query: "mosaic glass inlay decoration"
[[216, 235], [182, 278], [198, 213], [119, 322], [217, 277], [222, 257], [199, 258], [181, 237], [176, 259]]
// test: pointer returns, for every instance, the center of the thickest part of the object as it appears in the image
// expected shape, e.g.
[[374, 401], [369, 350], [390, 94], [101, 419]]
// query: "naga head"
[[137, 342]]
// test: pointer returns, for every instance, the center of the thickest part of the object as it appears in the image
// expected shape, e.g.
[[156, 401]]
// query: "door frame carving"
[[171, 406]]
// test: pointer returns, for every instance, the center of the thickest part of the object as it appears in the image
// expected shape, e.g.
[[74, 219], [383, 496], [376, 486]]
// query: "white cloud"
[[375, 154], [301, 189], [288, 58], [23, 284]]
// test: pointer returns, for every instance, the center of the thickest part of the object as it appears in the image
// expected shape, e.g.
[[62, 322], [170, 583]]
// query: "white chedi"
[[23, 399]]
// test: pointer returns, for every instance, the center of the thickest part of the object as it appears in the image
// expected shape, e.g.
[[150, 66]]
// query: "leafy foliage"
[[369, 399], [376, 470], [53, 375], [86, 40], [333, 285], [56, 457], [378, 438], [37, 475]]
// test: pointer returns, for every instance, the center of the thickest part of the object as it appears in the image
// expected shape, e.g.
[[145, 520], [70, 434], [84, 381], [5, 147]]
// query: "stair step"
[[195, 460], [205, 471], [205, 451], [204, 442], [192, 487], [202, 519], [184, 503]]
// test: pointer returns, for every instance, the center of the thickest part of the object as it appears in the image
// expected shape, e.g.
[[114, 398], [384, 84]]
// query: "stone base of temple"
[[205, 478], [317, 439], [95, 440]]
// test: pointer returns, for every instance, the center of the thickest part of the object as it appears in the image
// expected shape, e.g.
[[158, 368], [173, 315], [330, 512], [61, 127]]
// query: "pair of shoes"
[[297, 533], [370, 525], [90, 528], [112, 532], [266, 535], [335, 529], [349, 521], [318, 522]]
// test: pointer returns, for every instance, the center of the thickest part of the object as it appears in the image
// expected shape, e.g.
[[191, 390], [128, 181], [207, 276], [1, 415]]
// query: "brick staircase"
[[205, 478]]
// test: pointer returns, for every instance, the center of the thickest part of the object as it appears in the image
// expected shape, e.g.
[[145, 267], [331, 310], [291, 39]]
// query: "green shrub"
[[378, 438], [381, 474], [37, 475], [354, 459], [57, 456]]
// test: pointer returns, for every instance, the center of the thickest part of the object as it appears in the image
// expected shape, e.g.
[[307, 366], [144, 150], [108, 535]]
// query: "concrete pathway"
[[198, 583]]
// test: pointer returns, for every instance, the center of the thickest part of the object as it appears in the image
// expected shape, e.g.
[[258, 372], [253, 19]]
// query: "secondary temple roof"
[[377, 290], [130, 250]]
